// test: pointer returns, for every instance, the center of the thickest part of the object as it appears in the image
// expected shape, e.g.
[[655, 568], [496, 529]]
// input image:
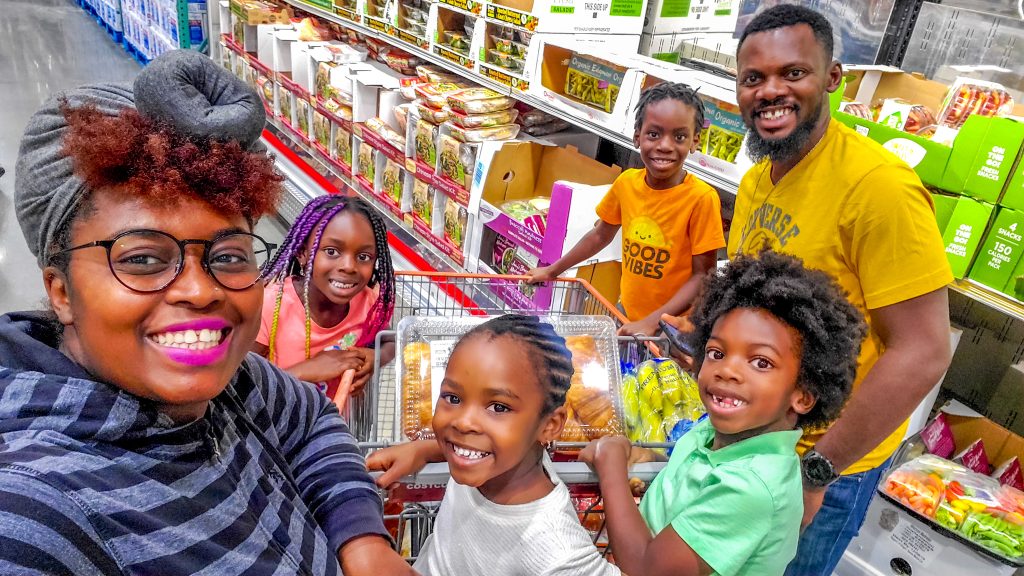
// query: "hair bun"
[[196, 96]]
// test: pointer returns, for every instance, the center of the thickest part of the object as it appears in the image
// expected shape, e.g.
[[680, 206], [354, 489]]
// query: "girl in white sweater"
[[505, 512]]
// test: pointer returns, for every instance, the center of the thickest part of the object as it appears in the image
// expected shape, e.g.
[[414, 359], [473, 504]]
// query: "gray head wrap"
[[182, 88]]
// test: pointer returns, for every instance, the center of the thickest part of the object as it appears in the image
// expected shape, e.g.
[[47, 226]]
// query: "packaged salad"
[[479, 101], [484, 120], [504, 132]]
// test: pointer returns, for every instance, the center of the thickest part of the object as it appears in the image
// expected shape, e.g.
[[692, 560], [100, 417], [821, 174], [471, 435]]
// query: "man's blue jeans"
[[841, 515]]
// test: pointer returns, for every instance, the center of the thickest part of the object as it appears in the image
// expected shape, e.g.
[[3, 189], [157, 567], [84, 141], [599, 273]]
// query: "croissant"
[[584, 351], [593, 407], [572, 431], [417, 409]]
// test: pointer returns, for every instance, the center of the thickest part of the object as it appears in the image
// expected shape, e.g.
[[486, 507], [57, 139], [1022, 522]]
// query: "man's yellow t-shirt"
[[857, 212], [661, 232]]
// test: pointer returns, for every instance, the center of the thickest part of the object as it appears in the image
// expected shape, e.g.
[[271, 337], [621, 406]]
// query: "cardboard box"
[[520, 170], [868, 83], [984, 153], [569, 16], [964, 232], [714, 48], [1000, 250], [668, 16], [1013, 197], [1006, 407], [944, 206], [927, 158], [969, 425], [598, 43], [447, 21]]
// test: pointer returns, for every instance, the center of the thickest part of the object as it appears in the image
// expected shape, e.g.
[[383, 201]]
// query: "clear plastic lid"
[[594, 401]]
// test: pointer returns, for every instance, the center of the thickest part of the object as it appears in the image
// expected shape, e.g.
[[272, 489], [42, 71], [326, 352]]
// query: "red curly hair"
[[150, 159]]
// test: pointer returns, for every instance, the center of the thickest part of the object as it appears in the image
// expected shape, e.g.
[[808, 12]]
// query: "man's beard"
[[781, 149]]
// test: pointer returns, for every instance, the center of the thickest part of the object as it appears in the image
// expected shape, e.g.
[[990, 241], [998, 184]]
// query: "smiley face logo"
[[646, 231]]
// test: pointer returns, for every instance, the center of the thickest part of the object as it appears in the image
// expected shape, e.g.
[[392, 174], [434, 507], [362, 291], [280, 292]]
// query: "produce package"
[[423, 201], [386, 132], [971, 506], [902, 115], [507, 61], [284, 104], [342, 151], [434, 115], [321, 130], [721, 143], [400, 61], [478, 101], [302, 116], [487, 120], [392, 181], [504, 253], [436, 95], [426, 142], [556, 125], [456, 218], [327, 91], [265, 88], [456, 160], [967, 97], [402, 115], [533, 212], [457, 41], [857, 109], [663, 401], [425, 343], [504, 132], [593, 81], [533, 117], [431, 74], [367, 162]]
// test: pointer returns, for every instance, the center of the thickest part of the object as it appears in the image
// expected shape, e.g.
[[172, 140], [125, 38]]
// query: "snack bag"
[[479, 101]]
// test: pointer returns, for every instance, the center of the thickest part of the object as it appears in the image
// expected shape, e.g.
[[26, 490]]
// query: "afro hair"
[[830, 328]]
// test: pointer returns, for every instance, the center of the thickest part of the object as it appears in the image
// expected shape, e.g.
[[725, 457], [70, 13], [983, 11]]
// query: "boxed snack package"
[[1009, 474], [1000, 250], [342, 149], [902, 115], [426, 142], [593, 400], [321, 132], [456, 219], [456, 161]]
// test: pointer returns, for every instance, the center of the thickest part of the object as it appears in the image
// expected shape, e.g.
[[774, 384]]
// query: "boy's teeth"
[[471, 454], [733, 402], [190, 339]]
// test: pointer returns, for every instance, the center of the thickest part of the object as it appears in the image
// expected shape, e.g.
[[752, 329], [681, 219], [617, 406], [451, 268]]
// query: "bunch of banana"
[[657, 399], [723, 144]]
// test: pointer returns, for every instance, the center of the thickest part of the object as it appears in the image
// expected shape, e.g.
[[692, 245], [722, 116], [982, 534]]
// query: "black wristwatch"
[[817, 470]]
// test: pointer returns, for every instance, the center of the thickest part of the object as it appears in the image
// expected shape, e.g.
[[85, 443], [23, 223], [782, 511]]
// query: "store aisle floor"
[[45, 46]]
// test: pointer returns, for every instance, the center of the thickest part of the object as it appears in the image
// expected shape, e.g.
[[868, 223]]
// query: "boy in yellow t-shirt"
[[672, 221]]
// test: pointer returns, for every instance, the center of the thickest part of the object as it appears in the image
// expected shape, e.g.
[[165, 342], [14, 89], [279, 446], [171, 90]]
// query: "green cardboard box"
[[1015, 285], [1013, 197], [984, 153], [927, 158], [944, 206], [1000, 251], [963, 233]]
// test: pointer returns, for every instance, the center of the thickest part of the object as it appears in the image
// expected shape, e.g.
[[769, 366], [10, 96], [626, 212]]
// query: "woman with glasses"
[[136, 434]]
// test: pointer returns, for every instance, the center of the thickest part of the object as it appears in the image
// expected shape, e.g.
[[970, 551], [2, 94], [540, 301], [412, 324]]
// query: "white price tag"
[[440, 350], [917, 543]]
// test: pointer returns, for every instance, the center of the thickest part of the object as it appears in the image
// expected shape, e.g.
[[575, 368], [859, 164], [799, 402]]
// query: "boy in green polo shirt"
[[776, 347]]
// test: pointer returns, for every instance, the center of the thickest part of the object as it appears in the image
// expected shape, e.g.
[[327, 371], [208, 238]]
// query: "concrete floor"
[[45, 46]]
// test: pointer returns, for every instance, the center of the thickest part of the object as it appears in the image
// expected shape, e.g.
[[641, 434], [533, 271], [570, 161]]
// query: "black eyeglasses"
[[150, 260]]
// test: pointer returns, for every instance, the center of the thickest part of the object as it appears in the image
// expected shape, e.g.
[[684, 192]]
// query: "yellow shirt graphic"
[[858, 213], [661, 232]]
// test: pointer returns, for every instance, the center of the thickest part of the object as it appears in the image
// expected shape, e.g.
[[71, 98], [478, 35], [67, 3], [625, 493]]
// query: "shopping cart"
[[374, 415]]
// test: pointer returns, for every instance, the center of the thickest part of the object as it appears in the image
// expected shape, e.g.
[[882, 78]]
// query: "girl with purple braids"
[[331, 289]]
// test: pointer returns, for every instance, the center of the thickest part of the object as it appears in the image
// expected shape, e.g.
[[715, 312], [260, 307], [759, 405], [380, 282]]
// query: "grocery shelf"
[[330, 178], [989, 297], [715, 179]]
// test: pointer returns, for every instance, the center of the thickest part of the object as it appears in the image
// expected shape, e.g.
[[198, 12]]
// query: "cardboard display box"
[[714, 48], [457, 35], [927, 158], [688, 16], [964, 231], [1007, 404], [519, 170], [569, 16], [1000, 250], [982, 158]]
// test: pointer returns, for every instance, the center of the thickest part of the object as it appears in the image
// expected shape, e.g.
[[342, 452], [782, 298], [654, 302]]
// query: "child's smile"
[[748, 380], [488, 418]]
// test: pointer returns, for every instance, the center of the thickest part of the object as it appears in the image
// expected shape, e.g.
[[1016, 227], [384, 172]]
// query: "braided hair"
[[670, 91], [547, 351], [311, 223]]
